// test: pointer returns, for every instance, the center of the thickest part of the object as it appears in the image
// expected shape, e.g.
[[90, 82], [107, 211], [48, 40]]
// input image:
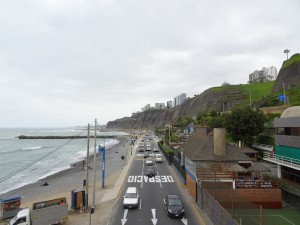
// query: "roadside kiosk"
[[9, 206]]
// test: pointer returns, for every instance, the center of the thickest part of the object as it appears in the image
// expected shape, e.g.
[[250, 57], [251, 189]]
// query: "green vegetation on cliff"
[[293, 59], [257, 90]]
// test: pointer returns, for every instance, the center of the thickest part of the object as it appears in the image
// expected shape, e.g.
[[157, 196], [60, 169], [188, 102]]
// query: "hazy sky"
[[67, 62]]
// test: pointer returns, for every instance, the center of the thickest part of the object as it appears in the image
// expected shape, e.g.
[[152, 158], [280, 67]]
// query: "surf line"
[[146, 179]]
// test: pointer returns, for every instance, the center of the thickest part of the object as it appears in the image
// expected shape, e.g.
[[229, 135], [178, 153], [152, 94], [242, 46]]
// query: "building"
[[179, 99], [272, 72], [263, 75], [287, 152], [225, 170], [160, 106], [169, 104]]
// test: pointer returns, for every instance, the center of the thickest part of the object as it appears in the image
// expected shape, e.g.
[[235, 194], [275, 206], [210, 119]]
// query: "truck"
[[53, 211]]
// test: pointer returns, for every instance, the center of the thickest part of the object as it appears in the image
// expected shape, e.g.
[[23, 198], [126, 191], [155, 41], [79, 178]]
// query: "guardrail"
[[283, 160]]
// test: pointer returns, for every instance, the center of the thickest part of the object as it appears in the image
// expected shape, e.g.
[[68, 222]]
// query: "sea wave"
[[32, 148]]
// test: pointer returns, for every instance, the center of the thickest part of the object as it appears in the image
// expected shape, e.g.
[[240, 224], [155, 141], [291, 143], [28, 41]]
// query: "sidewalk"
[[105, 198]]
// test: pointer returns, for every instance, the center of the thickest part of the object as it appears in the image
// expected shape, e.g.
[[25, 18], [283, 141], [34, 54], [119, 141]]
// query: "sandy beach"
[[61, 184]]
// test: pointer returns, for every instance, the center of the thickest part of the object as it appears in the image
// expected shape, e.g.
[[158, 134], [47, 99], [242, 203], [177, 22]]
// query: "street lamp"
[[287, 51]]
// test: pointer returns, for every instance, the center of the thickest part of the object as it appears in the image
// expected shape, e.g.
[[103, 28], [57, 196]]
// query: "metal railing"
[[283, 160]]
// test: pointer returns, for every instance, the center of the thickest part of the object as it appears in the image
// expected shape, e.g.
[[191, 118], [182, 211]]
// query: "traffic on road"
[[151, 193]]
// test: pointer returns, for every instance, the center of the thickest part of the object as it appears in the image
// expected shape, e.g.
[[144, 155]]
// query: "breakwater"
[[63, 137]]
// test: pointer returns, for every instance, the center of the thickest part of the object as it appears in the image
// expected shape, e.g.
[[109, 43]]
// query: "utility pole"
[[87, 169], [130, 137], [94, 167], [284, 94], [169, 133]]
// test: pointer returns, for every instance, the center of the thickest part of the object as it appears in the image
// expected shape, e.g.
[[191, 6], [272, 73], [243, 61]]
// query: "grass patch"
[[294, 59]]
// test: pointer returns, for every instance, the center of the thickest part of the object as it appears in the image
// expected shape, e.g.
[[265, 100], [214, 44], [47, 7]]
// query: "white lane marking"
[[124, 217], [140, 203], [185, 221], [154, 220], [159, 180], [145, 179], [143, 173]]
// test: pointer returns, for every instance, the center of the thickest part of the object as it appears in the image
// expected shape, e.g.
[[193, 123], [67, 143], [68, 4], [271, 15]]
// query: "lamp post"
[[287, 51]]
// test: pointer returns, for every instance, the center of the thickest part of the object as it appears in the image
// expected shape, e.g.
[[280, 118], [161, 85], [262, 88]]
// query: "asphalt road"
[[151, 209]]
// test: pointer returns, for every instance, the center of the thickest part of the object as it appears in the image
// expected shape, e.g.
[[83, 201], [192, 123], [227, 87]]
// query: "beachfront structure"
[[263, 75], [287, 148], [179, 99], [160, 106], [228, 169]]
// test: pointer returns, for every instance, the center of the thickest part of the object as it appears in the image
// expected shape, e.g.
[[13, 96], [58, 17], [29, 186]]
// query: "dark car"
[[146, 155], [141, 150], [151, 172], [174, 206]]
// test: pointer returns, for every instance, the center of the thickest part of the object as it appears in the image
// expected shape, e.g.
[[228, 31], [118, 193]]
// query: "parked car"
[[151, 172], [158, 158], [149, 161], [174, 206], [131, 198]]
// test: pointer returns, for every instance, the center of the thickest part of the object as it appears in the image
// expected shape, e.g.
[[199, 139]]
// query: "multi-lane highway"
[[151, 209]]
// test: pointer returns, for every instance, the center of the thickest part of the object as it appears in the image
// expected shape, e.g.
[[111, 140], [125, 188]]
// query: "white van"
[[158, 158], [131, 198]]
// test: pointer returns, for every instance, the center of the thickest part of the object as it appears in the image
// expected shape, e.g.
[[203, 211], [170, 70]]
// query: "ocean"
[[24, 161]]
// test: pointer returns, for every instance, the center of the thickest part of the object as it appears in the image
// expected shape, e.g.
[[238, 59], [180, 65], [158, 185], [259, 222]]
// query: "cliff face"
[[153, 118], [218, 99], [289, 76]]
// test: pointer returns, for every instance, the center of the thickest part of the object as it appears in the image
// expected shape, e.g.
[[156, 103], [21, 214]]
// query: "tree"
[[211, 119], [243, 124]]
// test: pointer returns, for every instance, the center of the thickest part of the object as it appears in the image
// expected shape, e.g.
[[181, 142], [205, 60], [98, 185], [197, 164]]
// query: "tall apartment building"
[[169, 104], [147, 107], [263, 75], [179, 99], [160, 105]]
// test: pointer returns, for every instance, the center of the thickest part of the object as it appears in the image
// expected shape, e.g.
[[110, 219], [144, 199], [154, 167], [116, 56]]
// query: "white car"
[[149, 161], [131, 198], [158, 158], [155, 150]]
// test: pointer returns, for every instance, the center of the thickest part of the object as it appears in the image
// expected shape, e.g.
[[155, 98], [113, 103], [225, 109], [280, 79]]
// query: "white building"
[[160, 105], [147, 107], [263, 75], [179, 99]]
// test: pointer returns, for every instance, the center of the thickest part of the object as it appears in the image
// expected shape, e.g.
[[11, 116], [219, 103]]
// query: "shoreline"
[[72, 178]]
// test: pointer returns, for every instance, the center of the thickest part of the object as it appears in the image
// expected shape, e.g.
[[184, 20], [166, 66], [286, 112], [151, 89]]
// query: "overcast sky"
[[67, 62]]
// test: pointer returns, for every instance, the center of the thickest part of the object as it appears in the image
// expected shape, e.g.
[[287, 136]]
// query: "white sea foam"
[[32, 148], [58, 161]]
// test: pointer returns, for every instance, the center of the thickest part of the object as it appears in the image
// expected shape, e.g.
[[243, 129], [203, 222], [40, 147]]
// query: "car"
[[146, 155], [158, 158], [148, 148], [174, 206], [148, 144], [149, 161], [141, 150], [155, 150], [131, 198], [151, 172]]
